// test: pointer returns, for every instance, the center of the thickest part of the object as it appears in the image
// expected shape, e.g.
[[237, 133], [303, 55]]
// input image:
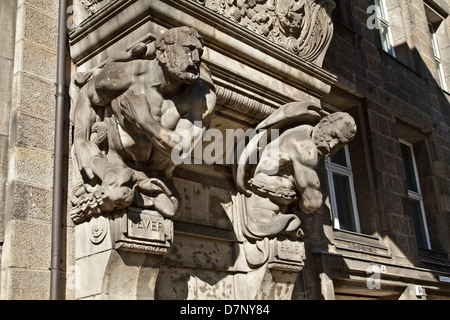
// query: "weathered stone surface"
[[36, 60], [35, 96], [35, 132], [49, 6], [37, 26], [178, 283], [199, 253], [28, 245], [34, 167], [31, 202], [197, 197], [25, 284]]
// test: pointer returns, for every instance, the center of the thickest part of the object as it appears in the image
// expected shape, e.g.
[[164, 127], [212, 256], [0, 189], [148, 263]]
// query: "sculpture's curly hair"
[[170, 37], [348, 130]]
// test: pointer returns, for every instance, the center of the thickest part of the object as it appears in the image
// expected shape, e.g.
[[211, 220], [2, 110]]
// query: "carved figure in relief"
[[286, 179], [128, 117], [290, 14], [303, 27]]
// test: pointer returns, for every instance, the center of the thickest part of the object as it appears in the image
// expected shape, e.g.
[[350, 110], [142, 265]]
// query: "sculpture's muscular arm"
[[84, 149], [99, 91]]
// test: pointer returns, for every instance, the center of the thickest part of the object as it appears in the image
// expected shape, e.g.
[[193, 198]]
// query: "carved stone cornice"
[[242, 103]]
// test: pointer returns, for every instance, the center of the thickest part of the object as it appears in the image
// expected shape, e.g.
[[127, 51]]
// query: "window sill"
[[359, 243], [356, 236], [437, 259], [429, 253]]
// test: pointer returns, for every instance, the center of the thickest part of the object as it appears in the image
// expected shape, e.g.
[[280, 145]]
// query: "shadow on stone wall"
[[398, 99], [203, 256]]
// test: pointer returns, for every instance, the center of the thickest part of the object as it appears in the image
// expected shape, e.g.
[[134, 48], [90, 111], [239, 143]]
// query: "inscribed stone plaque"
[[145, 225], [290, 250]]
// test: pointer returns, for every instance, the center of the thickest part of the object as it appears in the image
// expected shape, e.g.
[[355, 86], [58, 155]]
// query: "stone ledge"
[[359, 243], [196, 230]]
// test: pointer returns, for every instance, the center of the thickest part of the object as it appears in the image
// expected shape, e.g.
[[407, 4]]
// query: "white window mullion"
[[333, 203], [387, 40], [437, 57], [417, 195], [355, 209], [346, 172]]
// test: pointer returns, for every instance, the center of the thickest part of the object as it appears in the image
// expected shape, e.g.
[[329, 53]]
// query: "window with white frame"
[[437, 57], [342, 191], [415, 196], [387, 41]]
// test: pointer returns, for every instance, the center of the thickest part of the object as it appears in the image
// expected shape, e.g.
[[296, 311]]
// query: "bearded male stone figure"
[[285, 176], [129, 116]]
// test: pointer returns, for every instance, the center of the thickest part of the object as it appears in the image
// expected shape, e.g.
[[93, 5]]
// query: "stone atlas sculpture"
[[130, 113], [127, 117], [284, 180]]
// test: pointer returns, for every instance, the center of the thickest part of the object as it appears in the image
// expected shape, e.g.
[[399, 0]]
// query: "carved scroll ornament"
[[303, 27]]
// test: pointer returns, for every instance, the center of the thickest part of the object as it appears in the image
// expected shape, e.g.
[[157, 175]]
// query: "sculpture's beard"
[[184, 70], [322, 144]]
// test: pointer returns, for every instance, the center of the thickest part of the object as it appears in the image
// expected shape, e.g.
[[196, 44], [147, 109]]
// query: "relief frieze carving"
[[303, 27], [91, 6]]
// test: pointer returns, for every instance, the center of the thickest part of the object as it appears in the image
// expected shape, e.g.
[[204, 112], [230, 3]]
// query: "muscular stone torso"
[[137, 76]]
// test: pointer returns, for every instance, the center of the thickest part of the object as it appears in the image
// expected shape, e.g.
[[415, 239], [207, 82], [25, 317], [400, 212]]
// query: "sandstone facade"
[[260, 60]]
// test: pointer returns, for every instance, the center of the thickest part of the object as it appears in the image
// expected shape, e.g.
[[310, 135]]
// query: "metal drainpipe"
[[58, 174]]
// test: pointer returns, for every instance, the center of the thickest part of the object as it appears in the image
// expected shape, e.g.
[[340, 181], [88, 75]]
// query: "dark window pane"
[[419, 225], [409, 168], [344, 202], [338, 12], [340, 158]]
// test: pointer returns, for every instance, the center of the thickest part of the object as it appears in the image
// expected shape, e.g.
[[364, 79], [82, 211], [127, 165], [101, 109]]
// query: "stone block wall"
[[397, 98], [7, 23], [29, 28]]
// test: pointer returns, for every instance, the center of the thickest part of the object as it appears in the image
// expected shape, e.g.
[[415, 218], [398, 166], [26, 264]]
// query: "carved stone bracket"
[[277, 277], [277, 254]]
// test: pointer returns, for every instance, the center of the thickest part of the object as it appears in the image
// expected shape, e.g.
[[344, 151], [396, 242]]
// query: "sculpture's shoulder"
[[133, 67], [298, 144]]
